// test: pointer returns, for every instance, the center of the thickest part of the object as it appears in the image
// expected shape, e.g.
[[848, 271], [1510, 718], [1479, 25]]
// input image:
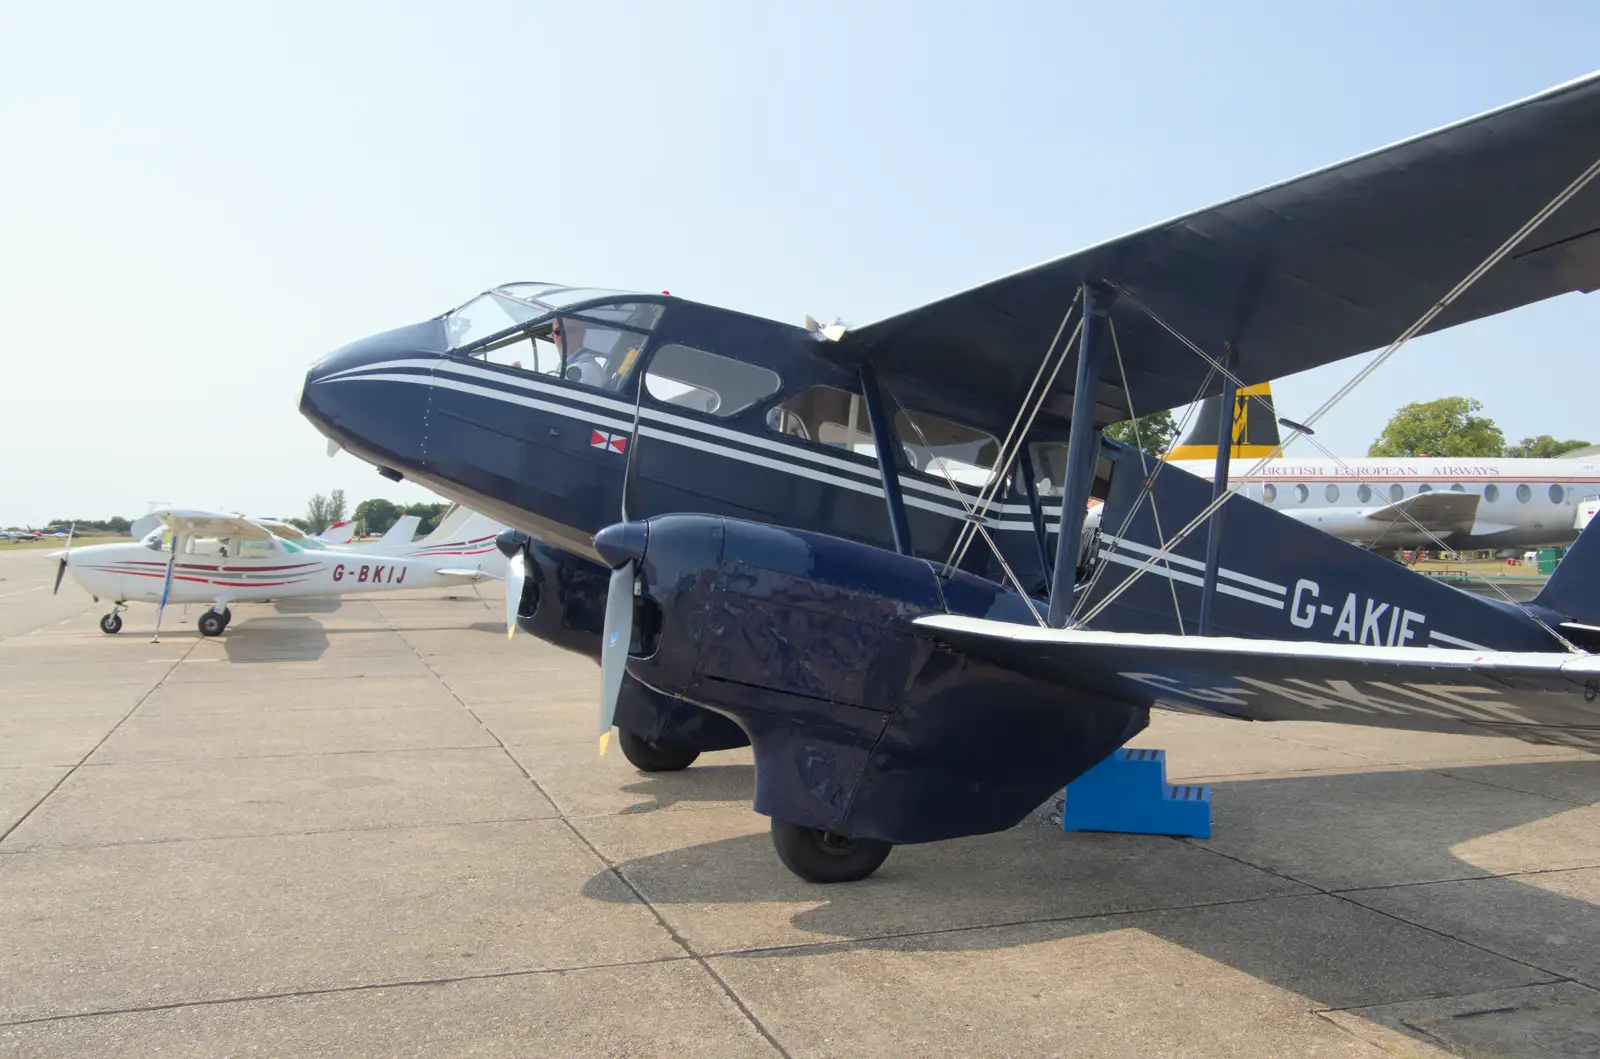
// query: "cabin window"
[[1364, 494], [1302, 493], [1397, 492], [946, 450], [1424, 488], [706, 382], [1332, 493], [1558, 495], [1524, 494], [825, 415], [1491, 492], [1269, 493]]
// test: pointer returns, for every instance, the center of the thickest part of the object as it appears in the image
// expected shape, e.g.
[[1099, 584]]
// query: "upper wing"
[[1299, 274], [211, 523], [1536, 696]]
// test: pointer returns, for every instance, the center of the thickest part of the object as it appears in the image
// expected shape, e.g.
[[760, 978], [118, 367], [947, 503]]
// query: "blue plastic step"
[[1128, 793]]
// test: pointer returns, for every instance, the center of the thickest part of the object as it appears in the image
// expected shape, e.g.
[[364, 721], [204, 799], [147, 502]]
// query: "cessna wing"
[[1322, 267], [200, 523], [1540, 697]]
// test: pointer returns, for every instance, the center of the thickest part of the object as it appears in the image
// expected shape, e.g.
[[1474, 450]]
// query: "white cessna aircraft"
[[218, 558]]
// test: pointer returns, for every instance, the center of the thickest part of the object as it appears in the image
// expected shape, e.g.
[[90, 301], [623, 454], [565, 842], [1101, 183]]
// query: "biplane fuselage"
[[766, 534]]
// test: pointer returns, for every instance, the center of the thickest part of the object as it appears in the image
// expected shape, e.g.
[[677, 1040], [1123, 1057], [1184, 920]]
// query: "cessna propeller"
[[61, 571]]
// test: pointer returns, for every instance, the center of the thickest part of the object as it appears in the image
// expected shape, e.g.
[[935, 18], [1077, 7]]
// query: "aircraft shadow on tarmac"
[[1036, 883], [703, 783], [310, 605], [275, 638]]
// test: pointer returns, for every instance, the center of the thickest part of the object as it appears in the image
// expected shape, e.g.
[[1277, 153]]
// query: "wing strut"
[[1083, 446], [1219, 486], [883, 440]]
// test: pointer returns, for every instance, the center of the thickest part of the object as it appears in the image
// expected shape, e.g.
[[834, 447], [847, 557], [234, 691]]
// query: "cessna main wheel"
[[111, 624], [823, 857], [212, 623], [646, 756]]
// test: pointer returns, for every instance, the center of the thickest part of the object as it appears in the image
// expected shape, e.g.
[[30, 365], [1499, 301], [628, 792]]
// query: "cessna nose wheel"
[[111, 624], [824, 857], [647, 756]]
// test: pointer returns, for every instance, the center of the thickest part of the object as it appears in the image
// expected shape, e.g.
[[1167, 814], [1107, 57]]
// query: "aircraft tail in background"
[[1255, 429], [403, 530], [1573, 591]]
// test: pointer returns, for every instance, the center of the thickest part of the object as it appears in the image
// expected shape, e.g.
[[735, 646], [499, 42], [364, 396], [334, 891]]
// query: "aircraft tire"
[[654, 757], [227, 617], [111, 624], [820, 857], [211, 623]]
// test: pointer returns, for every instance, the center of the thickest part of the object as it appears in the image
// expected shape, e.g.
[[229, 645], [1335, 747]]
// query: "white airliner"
[[213, 557], [1469, 503]]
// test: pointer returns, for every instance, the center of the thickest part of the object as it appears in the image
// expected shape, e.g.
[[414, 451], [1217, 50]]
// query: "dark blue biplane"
[[862, 551]]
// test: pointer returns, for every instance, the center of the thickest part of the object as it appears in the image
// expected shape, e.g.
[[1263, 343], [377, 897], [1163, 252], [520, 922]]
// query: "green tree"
[[377, 515], [1543, 447], [1446, 427], [336, 508], [1155, 433], [317, 514]]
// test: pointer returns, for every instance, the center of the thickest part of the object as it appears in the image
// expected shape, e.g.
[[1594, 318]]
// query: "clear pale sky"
[[197, 200]]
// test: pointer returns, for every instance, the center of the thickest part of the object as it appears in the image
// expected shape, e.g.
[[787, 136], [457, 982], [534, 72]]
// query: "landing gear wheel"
[[823, 857], [111, 624], [654, 757], [212, 623], [227, 617]]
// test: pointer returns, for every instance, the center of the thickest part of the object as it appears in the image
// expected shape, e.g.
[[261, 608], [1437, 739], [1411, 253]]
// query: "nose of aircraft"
[[371, 396]]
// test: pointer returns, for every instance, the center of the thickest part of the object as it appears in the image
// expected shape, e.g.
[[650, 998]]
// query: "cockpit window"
[[505, 308], [485, 316], [706, 382], [596, 346]]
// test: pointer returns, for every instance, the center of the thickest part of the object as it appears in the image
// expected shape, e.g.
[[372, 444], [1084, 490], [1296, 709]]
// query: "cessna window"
[[1364, 494], [1524, 494], [706, 382], [1491, 492], [1397, 492]]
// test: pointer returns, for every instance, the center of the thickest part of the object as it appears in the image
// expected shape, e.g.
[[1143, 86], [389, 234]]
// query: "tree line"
[[1448, 427]]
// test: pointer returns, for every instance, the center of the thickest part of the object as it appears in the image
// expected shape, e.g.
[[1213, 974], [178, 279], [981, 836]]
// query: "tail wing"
[[1255, 427], [404, 528]]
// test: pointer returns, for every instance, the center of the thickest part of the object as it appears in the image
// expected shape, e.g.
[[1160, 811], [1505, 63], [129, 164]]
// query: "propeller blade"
[[516, 577], [614, 642], [61, 571]]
